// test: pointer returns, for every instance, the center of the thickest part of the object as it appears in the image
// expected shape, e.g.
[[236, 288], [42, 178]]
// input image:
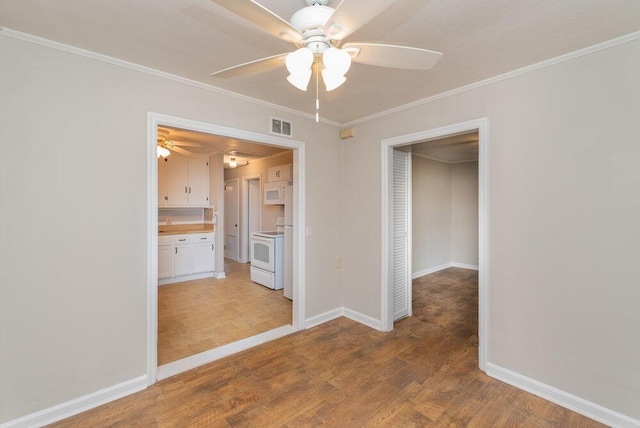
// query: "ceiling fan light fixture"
[[163, 151], [336, 60], [299, 65], [332, 80], [300, 79], [233, 163]]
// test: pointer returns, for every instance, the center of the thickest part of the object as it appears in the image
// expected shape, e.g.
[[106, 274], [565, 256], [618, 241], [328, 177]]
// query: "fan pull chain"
[[317, 96]]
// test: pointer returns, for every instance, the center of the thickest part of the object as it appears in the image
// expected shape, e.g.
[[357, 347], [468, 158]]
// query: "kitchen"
[[206, 300]]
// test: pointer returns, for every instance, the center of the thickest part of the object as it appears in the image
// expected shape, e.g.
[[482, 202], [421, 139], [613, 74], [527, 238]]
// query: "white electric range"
[[267, 259]]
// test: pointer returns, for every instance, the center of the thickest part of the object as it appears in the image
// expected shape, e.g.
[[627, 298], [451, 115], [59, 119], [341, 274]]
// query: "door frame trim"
[[387, 145], [299, 265], [239, 214], [244, 219]]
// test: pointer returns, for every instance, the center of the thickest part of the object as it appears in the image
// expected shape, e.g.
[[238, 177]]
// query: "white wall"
[[464, 213], [445, 214], [216, 198], [73, 217], [431, 216], [269, 213], [563, 219]]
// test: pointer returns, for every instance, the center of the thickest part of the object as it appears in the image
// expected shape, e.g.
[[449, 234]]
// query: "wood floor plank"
[[342, 374]]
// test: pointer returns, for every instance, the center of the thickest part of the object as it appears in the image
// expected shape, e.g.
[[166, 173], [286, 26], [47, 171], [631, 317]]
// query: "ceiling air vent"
[[281, 127]]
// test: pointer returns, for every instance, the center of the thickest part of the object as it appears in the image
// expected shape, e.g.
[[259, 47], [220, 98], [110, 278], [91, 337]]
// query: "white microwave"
[[274, 193]]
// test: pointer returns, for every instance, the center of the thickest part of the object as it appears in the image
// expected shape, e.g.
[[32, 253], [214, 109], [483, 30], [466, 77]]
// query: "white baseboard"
[[323, 318], [219, 275], [205, 357], [343, 312], [435, 269], [562, 398], [428, 271], [78, 405], [362, 319], [464, 266], [185, 278]]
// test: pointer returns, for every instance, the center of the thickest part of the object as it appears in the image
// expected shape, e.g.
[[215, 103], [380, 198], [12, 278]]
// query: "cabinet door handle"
[[185, 189], [203, 238], [182, 240], [189, 189], [211, 247], [176, 251]]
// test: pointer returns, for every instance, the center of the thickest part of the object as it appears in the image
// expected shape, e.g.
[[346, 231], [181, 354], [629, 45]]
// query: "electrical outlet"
[[308, 232], [338, 263]]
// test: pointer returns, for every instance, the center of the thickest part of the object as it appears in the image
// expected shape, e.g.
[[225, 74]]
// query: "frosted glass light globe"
[[337, 61], [299, 65]]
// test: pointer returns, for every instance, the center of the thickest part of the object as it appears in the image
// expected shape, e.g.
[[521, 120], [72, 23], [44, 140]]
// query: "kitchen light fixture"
[[233, 161]]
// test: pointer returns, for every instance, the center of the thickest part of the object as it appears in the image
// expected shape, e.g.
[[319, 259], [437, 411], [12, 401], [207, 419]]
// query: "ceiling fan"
[[318, 31], [165, 146]]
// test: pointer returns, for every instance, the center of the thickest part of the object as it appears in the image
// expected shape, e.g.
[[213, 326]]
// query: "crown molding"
[[7, 32], [4, 31], [528, 69]]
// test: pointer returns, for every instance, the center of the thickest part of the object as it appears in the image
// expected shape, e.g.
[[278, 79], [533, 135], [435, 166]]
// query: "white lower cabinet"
[[165, 259], [203, 253], [181, 260], [185, 257]]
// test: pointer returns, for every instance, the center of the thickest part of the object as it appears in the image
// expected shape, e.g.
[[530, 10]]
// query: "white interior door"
[[253, 208], [401, 203], [231, 218]]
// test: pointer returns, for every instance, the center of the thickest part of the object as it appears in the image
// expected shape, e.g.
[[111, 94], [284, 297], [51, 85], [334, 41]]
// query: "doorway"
[[251, 214], [231, 218], [298, 148], [389, 228]]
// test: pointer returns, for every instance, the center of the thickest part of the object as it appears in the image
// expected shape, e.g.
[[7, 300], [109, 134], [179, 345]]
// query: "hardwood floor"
[[196, 316], [342, 373]]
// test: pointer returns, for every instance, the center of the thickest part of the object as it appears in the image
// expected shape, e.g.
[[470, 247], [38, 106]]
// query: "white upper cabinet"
[[280, 173], [198, 182], [183, 181]]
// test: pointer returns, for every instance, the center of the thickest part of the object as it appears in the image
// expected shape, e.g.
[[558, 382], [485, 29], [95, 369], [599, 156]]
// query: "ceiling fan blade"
[[184, 143], [256, 66], [351, 15], [182, 151], [392, 56], [263, 18]]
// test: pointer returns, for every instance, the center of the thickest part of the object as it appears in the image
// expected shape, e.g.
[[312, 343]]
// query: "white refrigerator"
[[287, 228]]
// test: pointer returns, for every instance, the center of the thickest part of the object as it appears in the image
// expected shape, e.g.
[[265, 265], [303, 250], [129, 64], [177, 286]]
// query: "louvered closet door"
[[401, 278]]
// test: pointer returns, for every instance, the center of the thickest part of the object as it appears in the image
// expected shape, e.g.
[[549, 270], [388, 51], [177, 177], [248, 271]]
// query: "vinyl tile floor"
[[195, 316]]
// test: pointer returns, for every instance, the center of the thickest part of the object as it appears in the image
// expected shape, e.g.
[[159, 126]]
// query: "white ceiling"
[[194, 143], [193, 38], [452, 149]]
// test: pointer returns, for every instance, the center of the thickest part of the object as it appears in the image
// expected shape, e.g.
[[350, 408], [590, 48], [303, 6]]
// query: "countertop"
[[179, 229]]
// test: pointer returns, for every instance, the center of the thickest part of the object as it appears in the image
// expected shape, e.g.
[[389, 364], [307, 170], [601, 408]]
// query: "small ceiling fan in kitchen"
[[318, 31], [165, 145]]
